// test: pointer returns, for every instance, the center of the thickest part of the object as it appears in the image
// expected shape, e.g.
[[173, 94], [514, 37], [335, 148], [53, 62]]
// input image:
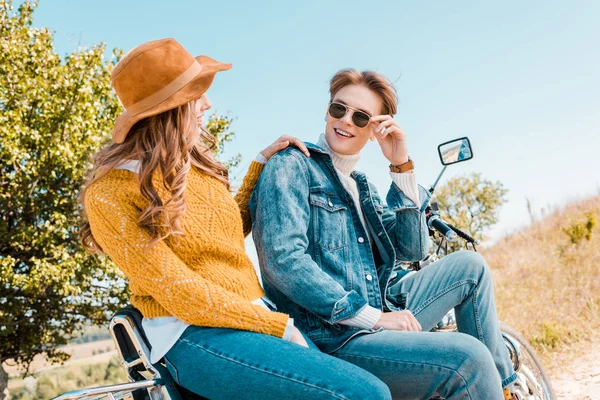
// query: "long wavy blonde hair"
[[169, 143]]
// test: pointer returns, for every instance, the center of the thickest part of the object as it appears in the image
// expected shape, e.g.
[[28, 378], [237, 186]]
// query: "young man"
[[327, 246]]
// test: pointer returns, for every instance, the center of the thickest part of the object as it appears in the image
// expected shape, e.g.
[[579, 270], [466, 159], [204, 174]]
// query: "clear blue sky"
[[520, 78]]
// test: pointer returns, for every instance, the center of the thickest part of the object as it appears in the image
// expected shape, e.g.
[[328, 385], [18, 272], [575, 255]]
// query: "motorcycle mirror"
[[452, 152], [455, 151]]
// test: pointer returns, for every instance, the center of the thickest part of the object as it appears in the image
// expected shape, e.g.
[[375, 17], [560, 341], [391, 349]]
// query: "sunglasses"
[[359, 118]]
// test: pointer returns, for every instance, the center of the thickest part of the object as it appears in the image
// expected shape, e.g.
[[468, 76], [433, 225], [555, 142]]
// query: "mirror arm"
[[437, 180]]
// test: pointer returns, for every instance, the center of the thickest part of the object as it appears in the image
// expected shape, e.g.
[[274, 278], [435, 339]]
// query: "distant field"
[[547, 281], [77, 375], [91, 364], [88, 353]]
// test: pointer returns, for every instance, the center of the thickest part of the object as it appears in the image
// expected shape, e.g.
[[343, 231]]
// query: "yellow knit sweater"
[[207, 279]]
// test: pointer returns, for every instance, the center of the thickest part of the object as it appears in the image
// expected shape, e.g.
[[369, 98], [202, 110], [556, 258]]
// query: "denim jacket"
[[316, 260]]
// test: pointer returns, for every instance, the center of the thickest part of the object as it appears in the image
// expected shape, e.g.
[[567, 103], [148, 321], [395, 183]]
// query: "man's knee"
[[472, 264]]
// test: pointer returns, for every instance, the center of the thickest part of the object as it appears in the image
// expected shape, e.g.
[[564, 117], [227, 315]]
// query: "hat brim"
[[191, 91]]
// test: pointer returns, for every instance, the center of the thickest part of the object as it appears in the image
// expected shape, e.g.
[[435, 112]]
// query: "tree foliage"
[[471, 203], [219, 127], [54, 114]]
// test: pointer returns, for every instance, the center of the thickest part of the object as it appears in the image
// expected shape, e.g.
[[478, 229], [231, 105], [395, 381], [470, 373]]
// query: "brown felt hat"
[[158, 76]]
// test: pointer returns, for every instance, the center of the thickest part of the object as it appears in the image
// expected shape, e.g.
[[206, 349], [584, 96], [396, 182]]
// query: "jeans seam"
[[443, 292], [176, 375], [476, 311], [398, 362], [189, 343]]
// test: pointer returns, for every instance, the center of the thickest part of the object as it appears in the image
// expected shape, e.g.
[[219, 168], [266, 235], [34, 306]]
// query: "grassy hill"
[[548, 280]]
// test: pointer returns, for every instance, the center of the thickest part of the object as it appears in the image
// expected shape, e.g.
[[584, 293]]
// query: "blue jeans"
[[473, 364], [233, 364]]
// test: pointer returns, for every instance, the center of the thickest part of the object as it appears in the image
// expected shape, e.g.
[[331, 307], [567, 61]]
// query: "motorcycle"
[[525, 360], [152, 381]]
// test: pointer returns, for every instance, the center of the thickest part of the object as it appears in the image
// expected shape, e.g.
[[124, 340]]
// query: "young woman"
[[327, 247], [159, 205]]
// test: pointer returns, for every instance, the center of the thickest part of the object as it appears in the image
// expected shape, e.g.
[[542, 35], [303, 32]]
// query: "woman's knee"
[[371, 389]]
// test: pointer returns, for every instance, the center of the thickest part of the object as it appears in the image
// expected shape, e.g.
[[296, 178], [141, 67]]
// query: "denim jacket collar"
[[313, 147]]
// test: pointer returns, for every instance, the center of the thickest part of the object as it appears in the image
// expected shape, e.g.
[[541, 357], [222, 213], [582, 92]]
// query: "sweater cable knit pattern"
[[206, 279]]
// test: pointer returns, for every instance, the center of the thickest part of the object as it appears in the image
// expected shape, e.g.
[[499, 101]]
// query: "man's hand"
[[391, 139], [398, 321]]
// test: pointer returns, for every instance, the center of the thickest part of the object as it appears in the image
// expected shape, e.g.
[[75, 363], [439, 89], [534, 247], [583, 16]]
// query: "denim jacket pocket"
[[329, 220]]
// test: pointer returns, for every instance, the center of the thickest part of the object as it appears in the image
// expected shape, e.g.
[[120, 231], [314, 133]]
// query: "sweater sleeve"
[[407, 182], [242, 197], [161, 274]]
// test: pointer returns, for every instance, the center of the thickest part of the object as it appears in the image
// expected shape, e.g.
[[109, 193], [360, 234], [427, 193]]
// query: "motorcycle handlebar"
[[434, 222]]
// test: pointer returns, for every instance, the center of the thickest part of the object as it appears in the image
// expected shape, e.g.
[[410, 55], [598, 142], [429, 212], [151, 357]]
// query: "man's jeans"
[[473, 364], [232, 364]]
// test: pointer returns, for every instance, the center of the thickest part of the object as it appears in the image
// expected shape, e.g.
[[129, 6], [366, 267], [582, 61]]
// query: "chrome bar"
[[108, 390], [431, 190], [139, 344]]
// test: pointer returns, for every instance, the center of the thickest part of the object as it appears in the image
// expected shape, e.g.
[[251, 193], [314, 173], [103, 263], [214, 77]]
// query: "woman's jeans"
[[473, 364], [233, 364]]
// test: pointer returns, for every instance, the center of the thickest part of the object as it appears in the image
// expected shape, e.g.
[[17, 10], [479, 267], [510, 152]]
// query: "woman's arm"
[[159, 273], [243, 195]]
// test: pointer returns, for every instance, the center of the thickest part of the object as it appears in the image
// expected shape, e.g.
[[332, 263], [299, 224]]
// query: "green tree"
[[54, 114], [220, 127], [471, 203]]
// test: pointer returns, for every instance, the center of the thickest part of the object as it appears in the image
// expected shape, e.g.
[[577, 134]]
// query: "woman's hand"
[[298, 338], [398, 321], [391, 139], [283, 142]]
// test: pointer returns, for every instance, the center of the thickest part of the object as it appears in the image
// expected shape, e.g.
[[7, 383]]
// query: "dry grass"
[[548, 287]]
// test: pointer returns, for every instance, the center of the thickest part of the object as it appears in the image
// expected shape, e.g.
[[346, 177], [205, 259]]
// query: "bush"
[[580, 230]]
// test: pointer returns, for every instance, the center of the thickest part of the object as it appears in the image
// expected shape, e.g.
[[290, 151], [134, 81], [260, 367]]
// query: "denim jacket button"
[[361, 239], [369, 277]]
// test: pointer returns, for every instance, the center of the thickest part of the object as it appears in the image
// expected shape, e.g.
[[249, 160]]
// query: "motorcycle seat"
[[134, 349]]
